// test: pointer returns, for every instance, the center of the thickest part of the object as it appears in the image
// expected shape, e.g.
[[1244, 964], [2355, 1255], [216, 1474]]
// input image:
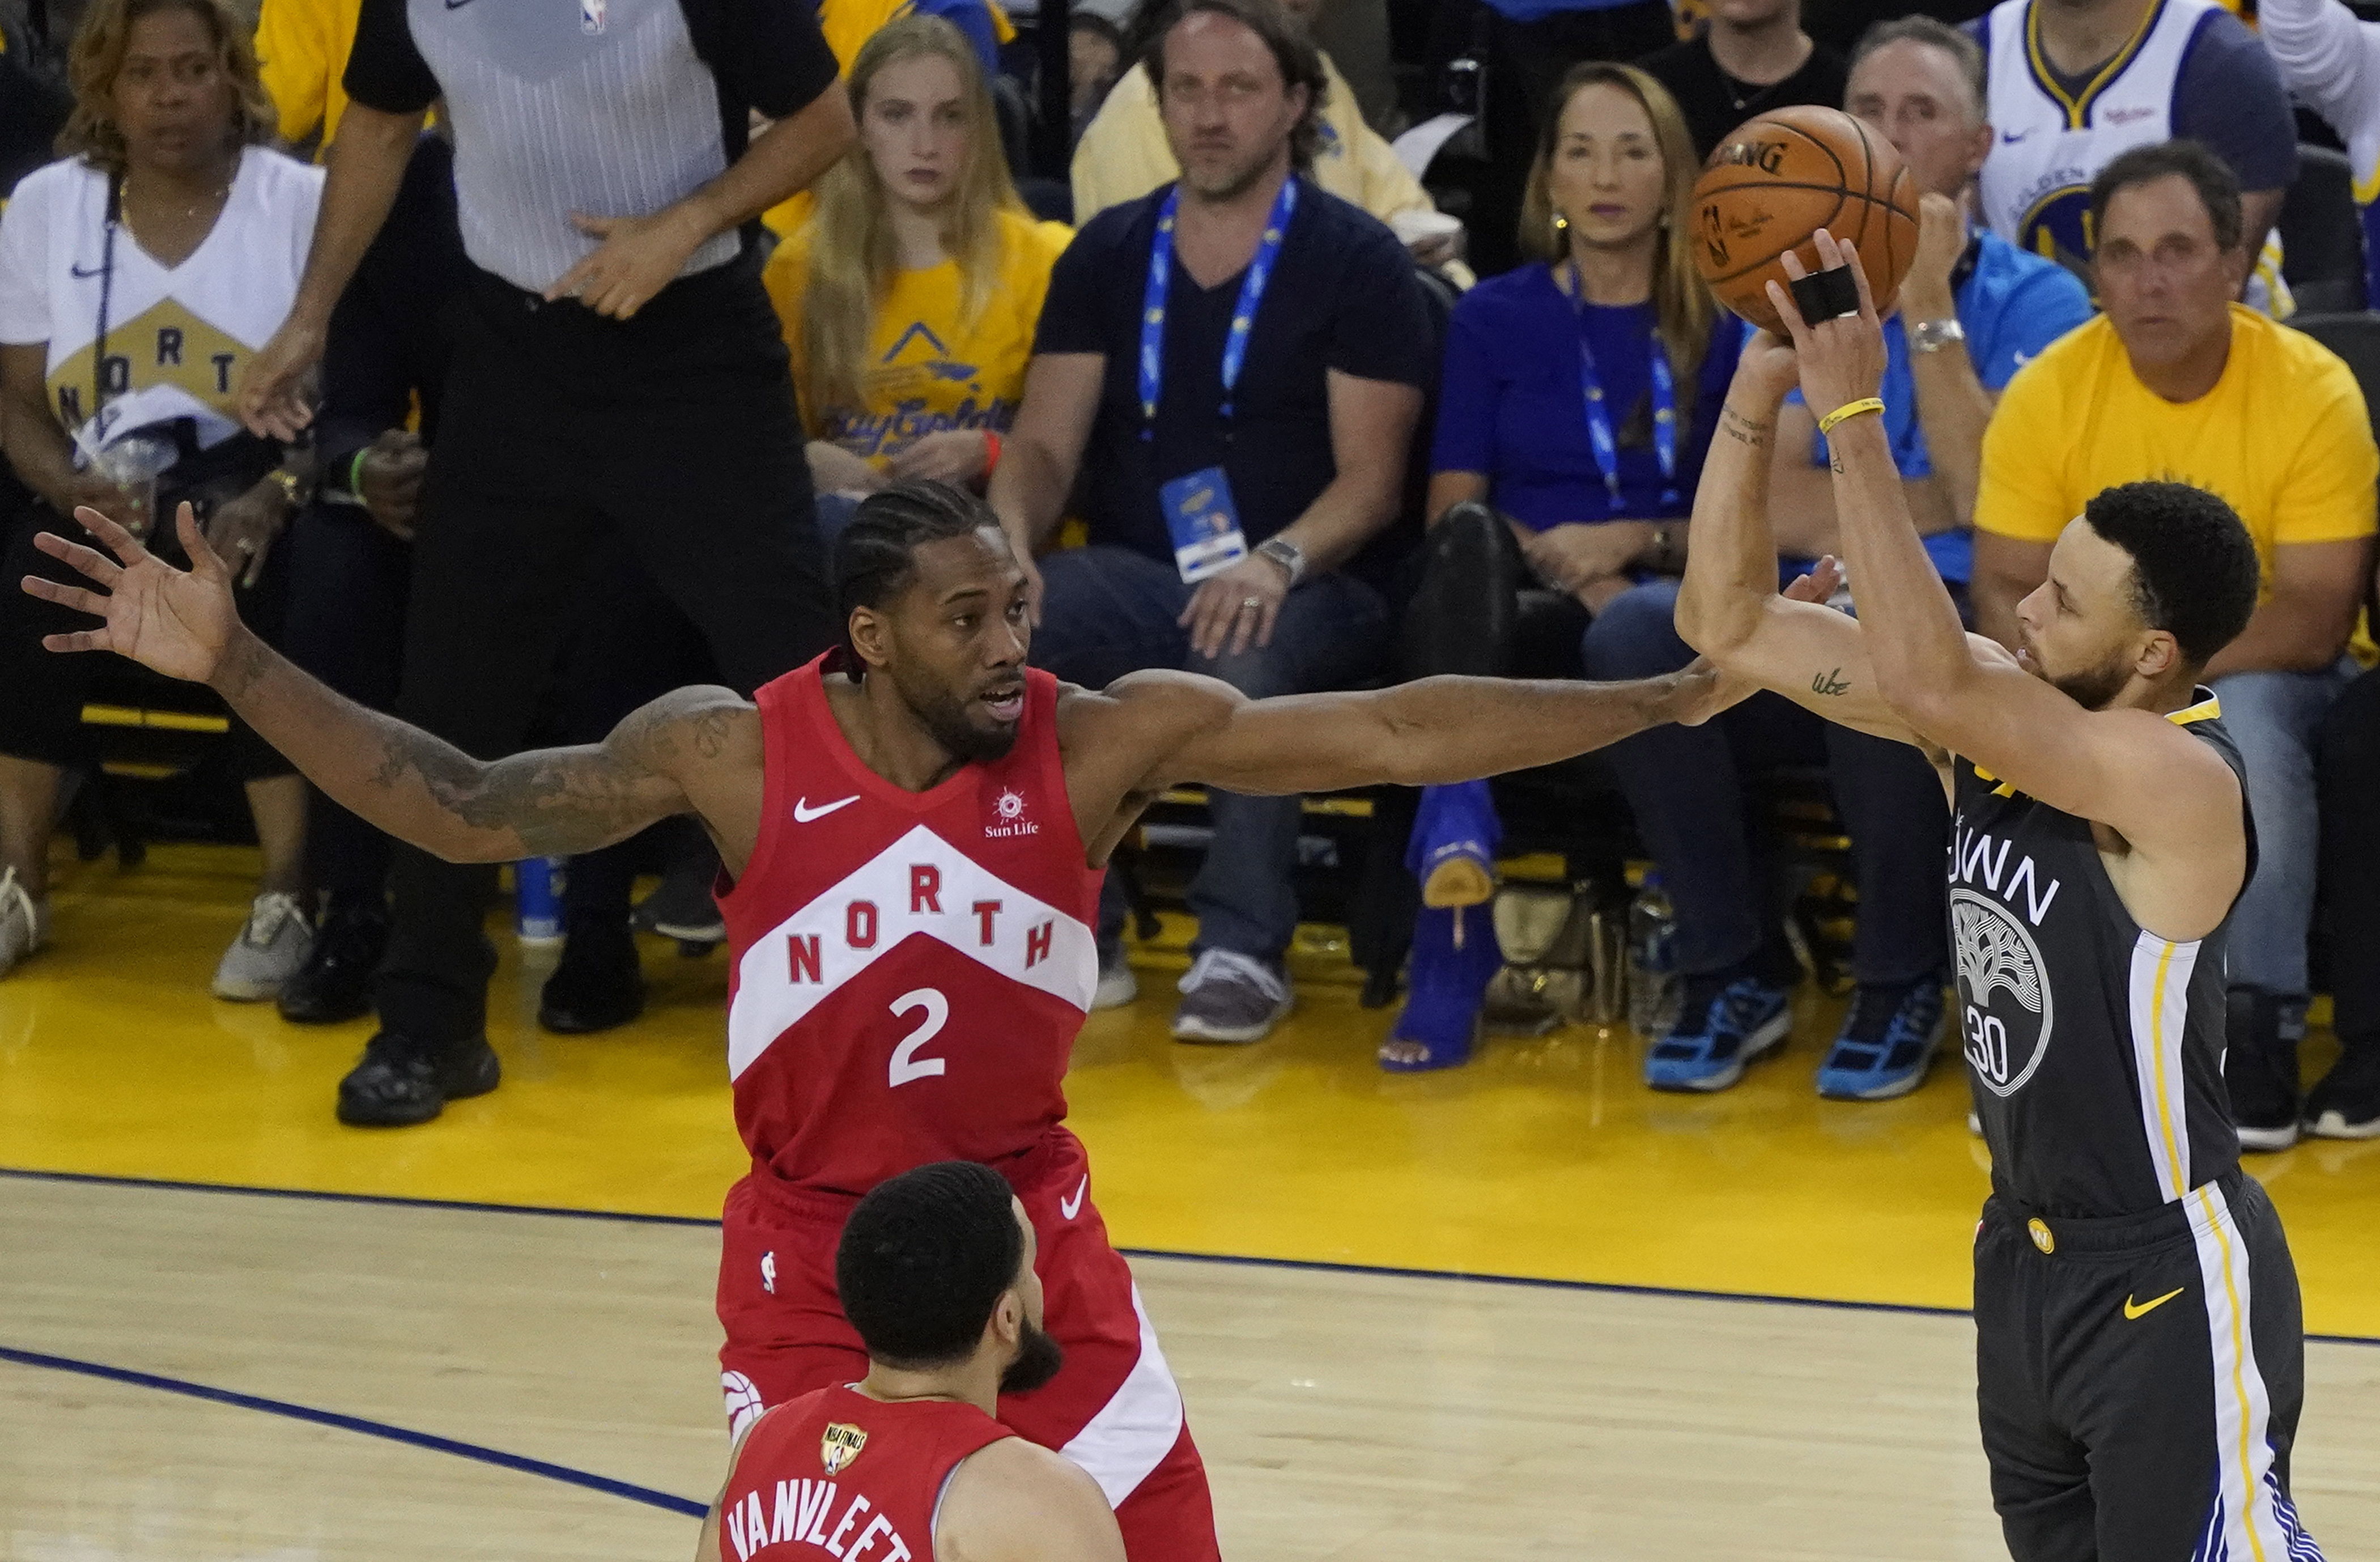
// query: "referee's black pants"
[[674, 432], [2139, 1379]]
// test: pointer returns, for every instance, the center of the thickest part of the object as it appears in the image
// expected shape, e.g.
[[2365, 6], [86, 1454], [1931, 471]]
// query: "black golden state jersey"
[[2094, 1046]]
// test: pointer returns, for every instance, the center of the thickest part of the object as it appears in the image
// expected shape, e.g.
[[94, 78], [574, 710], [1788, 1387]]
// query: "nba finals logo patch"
[[840, 1447]]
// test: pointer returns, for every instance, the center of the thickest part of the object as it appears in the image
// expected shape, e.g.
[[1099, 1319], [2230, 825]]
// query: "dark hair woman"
[[136, 276]]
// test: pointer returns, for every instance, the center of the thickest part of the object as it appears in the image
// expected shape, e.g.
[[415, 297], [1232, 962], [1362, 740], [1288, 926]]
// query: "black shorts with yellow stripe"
[[2139, 1379]]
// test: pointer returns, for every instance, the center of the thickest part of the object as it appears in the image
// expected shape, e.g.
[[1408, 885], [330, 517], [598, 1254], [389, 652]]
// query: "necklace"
[[124, 207]]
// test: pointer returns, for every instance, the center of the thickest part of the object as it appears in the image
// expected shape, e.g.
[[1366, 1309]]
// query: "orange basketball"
[[1777, 179]]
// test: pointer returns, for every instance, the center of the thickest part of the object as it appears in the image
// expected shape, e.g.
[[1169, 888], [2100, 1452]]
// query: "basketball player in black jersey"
[[2139, 1354]]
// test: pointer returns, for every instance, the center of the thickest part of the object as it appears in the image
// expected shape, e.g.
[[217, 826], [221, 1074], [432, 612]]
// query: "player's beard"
[[945, 715], [1038, 1361], [2095, 687]]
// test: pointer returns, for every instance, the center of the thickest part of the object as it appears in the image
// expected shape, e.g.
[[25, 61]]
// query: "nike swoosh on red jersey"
[[804, 813], [1071, 1207]]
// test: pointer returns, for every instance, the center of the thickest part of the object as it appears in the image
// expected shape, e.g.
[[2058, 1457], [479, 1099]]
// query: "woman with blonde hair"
[[910, 297], [1578, 395], [138, 275]]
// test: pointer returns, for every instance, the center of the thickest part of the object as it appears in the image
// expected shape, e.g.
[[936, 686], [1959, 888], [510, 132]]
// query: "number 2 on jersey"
[[906, 1065]]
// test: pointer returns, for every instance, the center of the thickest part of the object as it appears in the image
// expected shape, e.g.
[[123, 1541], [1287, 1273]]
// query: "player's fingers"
[[75, 597], [1781, 301], [1794, 266], [1859, 280], [90, 561], [81, 640], [1830, 254], [120, 542]]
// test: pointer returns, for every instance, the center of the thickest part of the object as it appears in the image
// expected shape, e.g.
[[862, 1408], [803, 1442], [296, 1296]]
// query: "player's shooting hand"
[[1236, 609], [1764, 374], [1842, 359], [168, 621], [638, 257]]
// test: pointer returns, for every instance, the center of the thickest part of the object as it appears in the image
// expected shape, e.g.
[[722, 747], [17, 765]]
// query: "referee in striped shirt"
[[617, 369]]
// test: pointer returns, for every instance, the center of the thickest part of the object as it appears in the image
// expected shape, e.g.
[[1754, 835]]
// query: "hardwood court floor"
[[1344, 1413]]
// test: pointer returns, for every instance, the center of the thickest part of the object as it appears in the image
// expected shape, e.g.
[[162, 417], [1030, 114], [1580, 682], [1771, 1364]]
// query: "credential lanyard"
[[1244, 314], [1598, 412]]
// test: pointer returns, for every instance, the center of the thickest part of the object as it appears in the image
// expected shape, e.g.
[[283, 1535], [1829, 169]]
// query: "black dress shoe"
[[402, 1082], [334, 984], [597, 986]]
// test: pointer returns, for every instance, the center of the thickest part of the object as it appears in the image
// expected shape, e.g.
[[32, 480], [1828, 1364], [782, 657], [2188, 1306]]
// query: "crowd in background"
[[453, 325]]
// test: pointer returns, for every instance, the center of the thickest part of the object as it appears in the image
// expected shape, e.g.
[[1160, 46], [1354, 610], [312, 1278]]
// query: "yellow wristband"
[[1850, 410]]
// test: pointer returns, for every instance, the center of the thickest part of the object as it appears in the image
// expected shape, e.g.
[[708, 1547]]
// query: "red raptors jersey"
[[910, 967], [836, 1474]]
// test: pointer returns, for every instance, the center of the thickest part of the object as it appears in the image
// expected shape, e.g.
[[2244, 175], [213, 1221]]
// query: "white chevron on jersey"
[[921, 883]]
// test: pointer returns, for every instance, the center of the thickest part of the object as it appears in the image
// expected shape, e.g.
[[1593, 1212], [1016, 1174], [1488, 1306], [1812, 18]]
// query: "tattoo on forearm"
[[244, 663], [1830, 683], [1743, 430]]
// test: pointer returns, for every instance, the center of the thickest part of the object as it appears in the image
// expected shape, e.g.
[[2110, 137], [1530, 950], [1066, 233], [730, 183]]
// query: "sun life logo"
[[1009, 810]]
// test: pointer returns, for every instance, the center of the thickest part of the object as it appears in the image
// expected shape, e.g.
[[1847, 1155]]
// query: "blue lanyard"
[[1244, 314], [1599, 415]]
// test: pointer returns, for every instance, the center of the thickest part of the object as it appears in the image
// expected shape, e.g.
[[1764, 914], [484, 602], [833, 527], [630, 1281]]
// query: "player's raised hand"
[[1842, 359], [169, 620]]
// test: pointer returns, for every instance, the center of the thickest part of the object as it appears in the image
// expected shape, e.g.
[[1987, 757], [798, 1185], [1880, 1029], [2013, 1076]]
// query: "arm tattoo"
[[1830, 683], [244, 663], [1743, 430]]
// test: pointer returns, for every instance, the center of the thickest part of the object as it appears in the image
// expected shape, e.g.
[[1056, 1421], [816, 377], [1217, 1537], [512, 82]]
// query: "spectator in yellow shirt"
[[2178, 382], [1122, 155], [909, 297], [301, 48]]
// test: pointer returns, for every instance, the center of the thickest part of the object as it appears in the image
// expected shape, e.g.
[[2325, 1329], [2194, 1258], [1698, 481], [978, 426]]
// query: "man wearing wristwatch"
[[1234, 364], [1973, 309]]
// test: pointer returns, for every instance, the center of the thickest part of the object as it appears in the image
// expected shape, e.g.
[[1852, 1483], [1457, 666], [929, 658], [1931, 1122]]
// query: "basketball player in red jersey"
[[915, 826], [935, 1268]]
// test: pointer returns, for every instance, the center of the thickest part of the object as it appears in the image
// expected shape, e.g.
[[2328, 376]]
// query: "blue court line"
[[428, 1440], [1607, 1287]]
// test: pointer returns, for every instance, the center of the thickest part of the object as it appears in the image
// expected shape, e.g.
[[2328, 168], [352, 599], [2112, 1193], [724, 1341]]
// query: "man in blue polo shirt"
[[1972, 310], [1233, 364]]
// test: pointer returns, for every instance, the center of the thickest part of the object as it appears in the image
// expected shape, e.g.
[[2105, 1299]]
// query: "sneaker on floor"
[[2347, 1103], [271, 947], [334, 984], [24, 921], [1723, 1024], [2260, 1068], [402, 1082], [596, 986], [1118, 985], [681, 906], [1887, 1043], [1231, 997]]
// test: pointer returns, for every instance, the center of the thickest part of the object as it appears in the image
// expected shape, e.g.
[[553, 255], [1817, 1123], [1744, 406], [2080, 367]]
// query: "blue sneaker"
[[1452, 851], [1722, 1026], [1887, 1043]]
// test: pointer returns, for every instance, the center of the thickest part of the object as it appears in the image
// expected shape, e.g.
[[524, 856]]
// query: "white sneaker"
[[24, 921], [268, 952], [1118, 987], [1231, 997]]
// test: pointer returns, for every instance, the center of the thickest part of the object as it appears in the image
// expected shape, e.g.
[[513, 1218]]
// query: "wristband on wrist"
[[1850, 410], [356, 471], [991, 451]]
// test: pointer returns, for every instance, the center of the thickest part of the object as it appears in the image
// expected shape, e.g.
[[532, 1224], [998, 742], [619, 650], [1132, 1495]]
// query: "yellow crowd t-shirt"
[[930, 369], [2283, 437], [301, 52]]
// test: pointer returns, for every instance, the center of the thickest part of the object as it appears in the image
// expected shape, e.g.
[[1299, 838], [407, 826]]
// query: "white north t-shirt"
[[177, 339]]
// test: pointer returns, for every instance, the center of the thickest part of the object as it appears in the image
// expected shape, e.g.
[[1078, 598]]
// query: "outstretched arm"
[[548, 802], [1727, 604], [1951, 687]]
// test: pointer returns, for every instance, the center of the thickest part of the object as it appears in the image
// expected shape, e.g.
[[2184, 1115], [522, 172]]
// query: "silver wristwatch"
[[1286, 554], [1933, 335]]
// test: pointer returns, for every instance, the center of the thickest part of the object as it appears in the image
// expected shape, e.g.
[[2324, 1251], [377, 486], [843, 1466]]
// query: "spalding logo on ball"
[[1779, 178]]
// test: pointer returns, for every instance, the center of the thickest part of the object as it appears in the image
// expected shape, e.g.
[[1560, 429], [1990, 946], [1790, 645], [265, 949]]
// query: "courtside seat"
[[2322, 234]]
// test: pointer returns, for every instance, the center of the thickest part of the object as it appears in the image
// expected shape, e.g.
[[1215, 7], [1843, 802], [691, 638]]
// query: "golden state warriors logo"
[[2003, 993], [840, 1447]]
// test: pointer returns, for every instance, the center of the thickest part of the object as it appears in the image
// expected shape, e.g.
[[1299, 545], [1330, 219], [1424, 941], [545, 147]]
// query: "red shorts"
[[1113, 1407]]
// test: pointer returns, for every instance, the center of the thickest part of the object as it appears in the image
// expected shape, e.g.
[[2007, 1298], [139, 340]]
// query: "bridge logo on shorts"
[[2003, 995], [840, 1447]]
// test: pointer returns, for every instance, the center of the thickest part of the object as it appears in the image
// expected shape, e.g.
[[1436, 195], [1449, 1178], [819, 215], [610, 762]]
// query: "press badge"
[[1204, 523]]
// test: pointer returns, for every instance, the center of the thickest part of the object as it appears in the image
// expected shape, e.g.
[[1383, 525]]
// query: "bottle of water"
[[538, 889], [1653, 984]]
